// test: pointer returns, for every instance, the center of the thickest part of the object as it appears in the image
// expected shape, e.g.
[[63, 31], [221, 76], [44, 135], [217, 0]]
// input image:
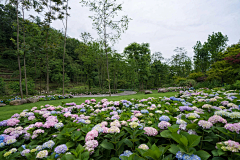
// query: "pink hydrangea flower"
[[150, 131], [12, 122]]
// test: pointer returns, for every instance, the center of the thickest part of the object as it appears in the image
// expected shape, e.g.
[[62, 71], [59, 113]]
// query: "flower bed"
[[194, 125]]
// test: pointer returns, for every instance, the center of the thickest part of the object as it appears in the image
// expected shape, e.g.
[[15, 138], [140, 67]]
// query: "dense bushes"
[[30, 84], [2, 86], [236, 85]]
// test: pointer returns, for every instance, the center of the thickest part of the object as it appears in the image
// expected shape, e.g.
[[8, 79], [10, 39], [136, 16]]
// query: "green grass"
[[7, 111]]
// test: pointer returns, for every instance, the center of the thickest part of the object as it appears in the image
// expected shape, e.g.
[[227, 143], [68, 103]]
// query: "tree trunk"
[[24, 57], [105, 46], [47, 62], [19, 65], [64, 47], [35, 77], [114, 87]]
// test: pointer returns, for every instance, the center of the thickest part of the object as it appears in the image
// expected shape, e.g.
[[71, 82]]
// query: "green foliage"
[[188, 82], [221, 71], [208, 84], [195, 75], [31, 87], [233, 86], [2, 86]]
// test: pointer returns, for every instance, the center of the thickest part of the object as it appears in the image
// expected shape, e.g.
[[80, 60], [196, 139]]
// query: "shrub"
[[30, 84], [2, 86], [188, 82], [195, 75]]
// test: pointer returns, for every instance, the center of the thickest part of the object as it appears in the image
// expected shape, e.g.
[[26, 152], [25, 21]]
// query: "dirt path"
[[105, 95]]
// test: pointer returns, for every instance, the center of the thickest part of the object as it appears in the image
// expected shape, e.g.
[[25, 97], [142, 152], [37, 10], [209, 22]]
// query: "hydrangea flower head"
[[164, 118], [42, 154], [164, 125], [143, 147], [61, 149]]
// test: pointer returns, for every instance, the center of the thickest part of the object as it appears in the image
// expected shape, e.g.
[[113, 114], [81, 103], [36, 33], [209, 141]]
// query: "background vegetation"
[[214, 63]]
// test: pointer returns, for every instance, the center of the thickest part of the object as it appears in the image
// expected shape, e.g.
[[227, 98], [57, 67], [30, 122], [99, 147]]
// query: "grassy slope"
[[7, 111]]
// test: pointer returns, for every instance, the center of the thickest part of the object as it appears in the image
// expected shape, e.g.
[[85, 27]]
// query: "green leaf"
[[192, 126], [124, 157], [128, 142], [203, 154], [164, 149], [107, 145], [193, 140], [221, 152], [173, 148], [114, 158], [138, 132], [169, 157], [128, 130], [85, 155], [166, 134], [141, 151], [70, 144], [184, 140], [176, 137], [79, 149], [68, 157], [215, 152], [218, 158]]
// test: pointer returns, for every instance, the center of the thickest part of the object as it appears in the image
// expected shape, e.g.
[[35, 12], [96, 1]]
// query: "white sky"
[[165, 24]]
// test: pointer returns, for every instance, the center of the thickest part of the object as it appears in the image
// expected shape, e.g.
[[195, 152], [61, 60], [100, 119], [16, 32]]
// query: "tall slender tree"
[[109, 29], [65, 36]]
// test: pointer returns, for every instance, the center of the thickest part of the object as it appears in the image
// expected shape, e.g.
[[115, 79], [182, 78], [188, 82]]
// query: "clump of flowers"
[[164, 118], [25, 151], [42, 154], [48, 144], [235, 127], [205, 124], [58, 125], [229, 145], [164, 125], [126, 153], [12, 122], [61, 149], [217, 119], [133, 124], [144, 111], [185, 108], [143, 147], [150, 131], [181, 156]]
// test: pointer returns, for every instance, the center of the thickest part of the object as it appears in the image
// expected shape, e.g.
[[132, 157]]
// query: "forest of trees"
[[30, 46]]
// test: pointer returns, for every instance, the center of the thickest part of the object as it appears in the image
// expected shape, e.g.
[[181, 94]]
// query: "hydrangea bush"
[[193, 125]]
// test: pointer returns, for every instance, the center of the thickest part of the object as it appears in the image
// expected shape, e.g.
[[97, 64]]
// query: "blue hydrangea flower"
[[81, 121], [126, 153], [56, 155], [48, 144], [186, 157], [23, 146], [179, 155], [1, 138], [61, 149], [141, 126], [2, 144], [119, 111], [195, 157], [83, 110], [144, 111], [164, 118], [98, 128]]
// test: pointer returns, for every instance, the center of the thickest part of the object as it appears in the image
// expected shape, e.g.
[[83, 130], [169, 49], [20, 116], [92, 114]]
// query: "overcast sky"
[[165, 24]]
